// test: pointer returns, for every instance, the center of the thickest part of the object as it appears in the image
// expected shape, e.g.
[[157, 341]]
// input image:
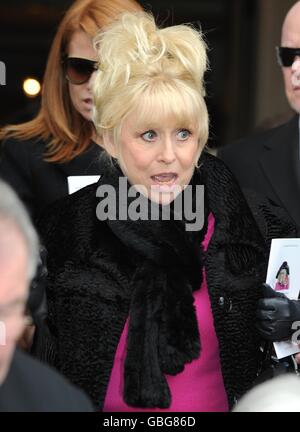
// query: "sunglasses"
[[286, 56], [79, 70]]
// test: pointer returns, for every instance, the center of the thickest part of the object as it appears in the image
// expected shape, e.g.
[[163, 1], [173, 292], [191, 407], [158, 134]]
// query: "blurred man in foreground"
[[25, 384]]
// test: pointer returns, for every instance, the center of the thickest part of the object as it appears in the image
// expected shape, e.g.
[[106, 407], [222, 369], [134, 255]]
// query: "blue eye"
[[150, 135], [183, 134]]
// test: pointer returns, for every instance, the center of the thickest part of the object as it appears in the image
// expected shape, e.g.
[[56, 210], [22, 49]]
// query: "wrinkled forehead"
[[12, 242], [13, 264]]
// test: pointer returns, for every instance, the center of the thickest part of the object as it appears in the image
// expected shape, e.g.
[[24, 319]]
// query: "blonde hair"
[[156, 72], [58, 122]]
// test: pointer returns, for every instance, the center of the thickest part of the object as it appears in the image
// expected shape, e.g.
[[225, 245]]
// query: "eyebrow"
[[157, 125]]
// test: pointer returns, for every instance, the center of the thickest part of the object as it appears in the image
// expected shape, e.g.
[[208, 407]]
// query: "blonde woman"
[[152, 298], [40, 158]]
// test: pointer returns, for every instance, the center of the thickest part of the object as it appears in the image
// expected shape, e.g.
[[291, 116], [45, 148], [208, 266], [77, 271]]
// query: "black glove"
[[276, 315]]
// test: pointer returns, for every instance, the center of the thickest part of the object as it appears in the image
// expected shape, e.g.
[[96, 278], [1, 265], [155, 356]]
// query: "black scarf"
[[163, 332]]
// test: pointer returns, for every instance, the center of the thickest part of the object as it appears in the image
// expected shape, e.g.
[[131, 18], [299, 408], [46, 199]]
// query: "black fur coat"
[[89, 286]]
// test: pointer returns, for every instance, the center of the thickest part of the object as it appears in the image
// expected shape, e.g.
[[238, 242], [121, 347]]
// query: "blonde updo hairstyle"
[[156, 72]]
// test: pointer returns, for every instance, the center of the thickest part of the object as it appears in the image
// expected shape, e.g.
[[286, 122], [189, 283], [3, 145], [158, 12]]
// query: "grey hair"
[[12, 210], [278, 394]]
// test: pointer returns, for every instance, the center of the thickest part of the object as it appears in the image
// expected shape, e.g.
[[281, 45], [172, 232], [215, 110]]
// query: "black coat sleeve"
[[273, 221]]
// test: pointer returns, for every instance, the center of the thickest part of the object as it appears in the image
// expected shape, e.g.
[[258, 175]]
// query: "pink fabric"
[[281, 287], [200, 386]]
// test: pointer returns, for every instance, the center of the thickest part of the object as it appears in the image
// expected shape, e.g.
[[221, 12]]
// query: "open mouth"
[[88, 101], [164, 183], [164, 179]]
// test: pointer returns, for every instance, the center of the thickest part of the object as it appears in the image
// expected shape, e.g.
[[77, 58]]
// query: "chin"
[[89, 118], [297, 108], [87, 115], [163, 199], [295, 105]]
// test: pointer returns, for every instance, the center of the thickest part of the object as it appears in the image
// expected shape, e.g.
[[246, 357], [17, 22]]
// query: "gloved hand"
[[276, 315]]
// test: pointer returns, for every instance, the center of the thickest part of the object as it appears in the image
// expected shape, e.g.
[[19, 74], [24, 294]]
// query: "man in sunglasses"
[[267, 166], [269, 163]]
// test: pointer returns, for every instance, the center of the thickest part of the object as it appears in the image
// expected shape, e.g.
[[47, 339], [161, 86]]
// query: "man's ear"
[[109, 144]]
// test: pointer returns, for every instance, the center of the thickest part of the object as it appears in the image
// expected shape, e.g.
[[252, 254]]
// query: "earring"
[[198, 165]]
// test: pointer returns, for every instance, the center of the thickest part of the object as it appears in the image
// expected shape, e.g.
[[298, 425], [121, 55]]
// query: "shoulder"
[[227, 202], [222, 187], [272, 220], [252, 144], [70, 221], [48, 391], [21, 153], [72, 207], [216, 171], [12, 145]]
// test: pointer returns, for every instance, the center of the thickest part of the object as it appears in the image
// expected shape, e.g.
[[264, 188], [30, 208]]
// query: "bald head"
[[281, 394], [12, 242], [12, 212], [14, 284], [290, 36], [14, 279], [18, 260]]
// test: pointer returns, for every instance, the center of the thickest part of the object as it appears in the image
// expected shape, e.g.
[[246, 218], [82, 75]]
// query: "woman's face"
[[282, 277], [80, 46], [160, 157]]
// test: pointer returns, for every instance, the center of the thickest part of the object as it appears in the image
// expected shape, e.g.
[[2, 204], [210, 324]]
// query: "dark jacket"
[[37, 182], [33, 387], [89, 288], [269, 164]]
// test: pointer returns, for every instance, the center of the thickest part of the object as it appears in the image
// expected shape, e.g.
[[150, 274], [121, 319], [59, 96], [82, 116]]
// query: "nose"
[[295, 72], [167, 154], [295, 64]]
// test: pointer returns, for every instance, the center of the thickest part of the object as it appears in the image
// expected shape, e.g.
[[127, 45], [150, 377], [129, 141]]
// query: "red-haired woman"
[[40, 158]]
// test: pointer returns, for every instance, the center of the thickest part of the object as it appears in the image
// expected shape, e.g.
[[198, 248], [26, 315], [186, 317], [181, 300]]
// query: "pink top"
[[280, 287], [200, 386]]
